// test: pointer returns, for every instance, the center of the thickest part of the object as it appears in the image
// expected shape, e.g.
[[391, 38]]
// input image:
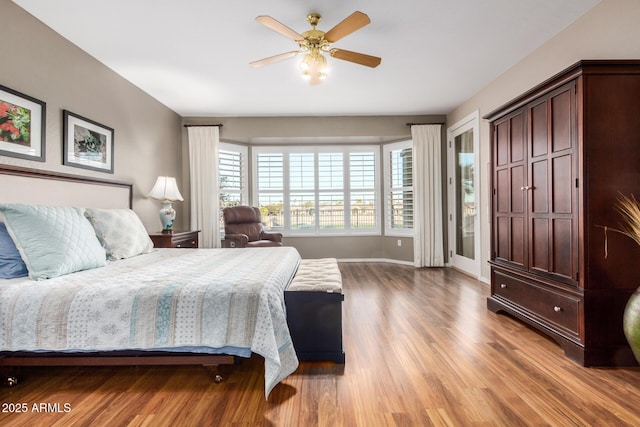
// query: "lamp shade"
[[165, 189]]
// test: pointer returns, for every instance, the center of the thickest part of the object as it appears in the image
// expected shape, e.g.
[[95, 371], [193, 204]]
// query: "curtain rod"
[[434, 123], [217, 125]]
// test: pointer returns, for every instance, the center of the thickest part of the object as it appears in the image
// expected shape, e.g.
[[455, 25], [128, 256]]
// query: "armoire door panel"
[[502, 237], [562, 247], [561, 121], [518, 138], [518, 240], [539, 187], [517, 193], [562, 184], [502, 143], [539, 130], [540, 244], [503, 224], [503, 191]]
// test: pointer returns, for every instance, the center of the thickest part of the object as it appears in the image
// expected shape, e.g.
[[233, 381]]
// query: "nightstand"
[[177, 239]]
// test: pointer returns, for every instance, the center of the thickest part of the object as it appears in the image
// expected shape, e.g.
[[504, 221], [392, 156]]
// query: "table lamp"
[[166, 190]]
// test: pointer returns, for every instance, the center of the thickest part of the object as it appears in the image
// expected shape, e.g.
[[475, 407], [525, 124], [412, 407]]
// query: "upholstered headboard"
[[35, 186]]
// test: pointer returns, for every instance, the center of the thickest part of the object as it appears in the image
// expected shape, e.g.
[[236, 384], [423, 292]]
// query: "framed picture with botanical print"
[[86, 144], [22, 125]]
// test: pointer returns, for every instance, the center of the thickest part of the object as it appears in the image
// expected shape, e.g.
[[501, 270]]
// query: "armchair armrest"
[[237, 240], [273, 236]]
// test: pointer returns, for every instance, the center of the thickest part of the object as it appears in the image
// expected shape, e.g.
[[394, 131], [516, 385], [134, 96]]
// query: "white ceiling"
[[193, 55]]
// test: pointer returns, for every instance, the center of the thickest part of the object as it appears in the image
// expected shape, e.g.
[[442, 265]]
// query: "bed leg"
[[215, 370]]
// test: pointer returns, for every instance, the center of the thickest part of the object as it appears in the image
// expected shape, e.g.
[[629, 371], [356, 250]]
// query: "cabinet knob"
[[557, 309], [503, 286]]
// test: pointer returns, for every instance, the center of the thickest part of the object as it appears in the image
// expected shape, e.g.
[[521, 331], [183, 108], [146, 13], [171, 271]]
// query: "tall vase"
[[631, 322], [167, 216]]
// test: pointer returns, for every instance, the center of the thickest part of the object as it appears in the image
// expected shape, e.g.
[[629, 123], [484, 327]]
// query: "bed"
[[144, 305]]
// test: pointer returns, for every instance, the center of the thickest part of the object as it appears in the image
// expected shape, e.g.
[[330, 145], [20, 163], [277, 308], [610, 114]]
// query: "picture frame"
[[22, 125], [86, 143]]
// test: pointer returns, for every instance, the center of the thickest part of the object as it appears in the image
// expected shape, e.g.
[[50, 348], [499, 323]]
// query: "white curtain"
[[428, 246], [203, 170]]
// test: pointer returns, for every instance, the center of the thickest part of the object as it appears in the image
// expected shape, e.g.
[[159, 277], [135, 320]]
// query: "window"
[[270, 189], [232, 164], [363, 191], [302, 186], [398, 182], [318, 190]]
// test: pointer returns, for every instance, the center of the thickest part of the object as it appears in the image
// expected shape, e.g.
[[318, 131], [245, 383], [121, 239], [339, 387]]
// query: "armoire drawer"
[[548, 304]]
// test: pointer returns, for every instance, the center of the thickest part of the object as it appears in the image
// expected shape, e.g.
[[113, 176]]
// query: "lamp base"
[[167, 216]]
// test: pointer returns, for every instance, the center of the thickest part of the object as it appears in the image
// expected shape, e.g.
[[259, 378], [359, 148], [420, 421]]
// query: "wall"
[[39, 62], [324, 130], [608, 31]]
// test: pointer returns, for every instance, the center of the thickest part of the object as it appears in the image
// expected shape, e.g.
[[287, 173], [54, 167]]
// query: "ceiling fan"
[[314, 43]]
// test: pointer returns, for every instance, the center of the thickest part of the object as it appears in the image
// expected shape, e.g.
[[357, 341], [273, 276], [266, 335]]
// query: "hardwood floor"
[[422, 349]]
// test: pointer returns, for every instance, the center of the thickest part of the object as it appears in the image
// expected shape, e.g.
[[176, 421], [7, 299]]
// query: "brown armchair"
[[243, 228]]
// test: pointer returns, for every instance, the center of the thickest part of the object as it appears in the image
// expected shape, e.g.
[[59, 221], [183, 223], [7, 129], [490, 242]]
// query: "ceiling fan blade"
[[274, 58], [358, 58], [279, 27], [351, 23]]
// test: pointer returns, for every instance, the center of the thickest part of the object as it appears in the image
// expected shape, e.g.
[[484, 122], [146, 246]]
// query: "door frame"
[[470, 122]]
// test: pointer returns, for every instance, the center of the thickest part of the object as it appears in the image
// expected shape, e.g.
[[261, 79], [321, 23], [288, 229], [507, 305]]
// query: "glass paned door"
[[465, 194]]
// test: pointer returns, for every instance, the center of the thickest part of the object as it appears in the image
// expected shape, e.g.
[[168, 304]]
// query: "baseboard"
[[387, 260], [484, 280], [473, 276], [409, 263]]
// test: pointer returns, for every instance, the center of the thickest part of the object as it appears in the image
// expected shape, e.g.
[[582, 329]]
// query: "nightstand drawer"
[[189, 242], [548, 304], [177, 239]]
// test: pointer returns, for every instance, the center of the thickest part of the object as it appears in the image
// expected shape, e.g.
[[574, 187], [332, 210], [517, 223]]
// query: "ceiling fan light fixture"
[[323, 68], [314, 65], [313, 43], [322, 62], [307, 63]]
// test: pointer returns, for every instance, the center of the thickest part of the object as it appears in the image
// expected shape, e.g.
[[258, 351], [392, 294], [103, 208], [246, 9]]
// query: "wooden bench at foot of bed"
[[314, 310]]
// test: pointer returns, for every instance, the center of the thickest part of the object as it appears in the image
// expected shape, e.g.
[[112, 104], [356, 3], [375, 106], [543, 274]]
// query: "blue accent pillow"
[[11, 264], [53, 240]]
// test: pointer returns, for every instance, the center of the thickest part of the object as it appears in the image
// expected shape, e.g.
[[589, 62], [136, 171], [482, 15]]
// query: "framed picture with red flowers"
[[22, 125]]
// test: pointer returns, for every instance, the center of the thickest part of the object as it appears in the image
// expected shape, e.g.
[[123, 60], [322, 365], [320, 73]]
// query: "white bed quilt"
[[168, 299]]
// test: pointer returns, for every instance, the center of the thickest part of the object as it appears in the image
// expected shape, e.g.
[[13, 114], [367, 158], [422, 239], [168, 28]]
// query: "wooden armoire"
[[562, 153]]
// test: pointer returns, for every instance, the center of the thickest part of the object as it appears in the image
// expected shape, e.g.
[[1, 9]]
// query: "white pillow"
[[53, 240], [120, 232]]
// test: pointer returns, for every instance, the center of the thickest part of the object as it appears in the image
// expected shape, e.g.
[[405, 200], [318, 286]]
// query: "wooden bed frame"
[[55, 188]]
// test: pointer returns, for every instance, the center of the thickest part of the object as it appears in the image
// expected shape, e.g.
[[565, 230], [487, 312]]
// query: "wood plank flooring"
[[421, 349]]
